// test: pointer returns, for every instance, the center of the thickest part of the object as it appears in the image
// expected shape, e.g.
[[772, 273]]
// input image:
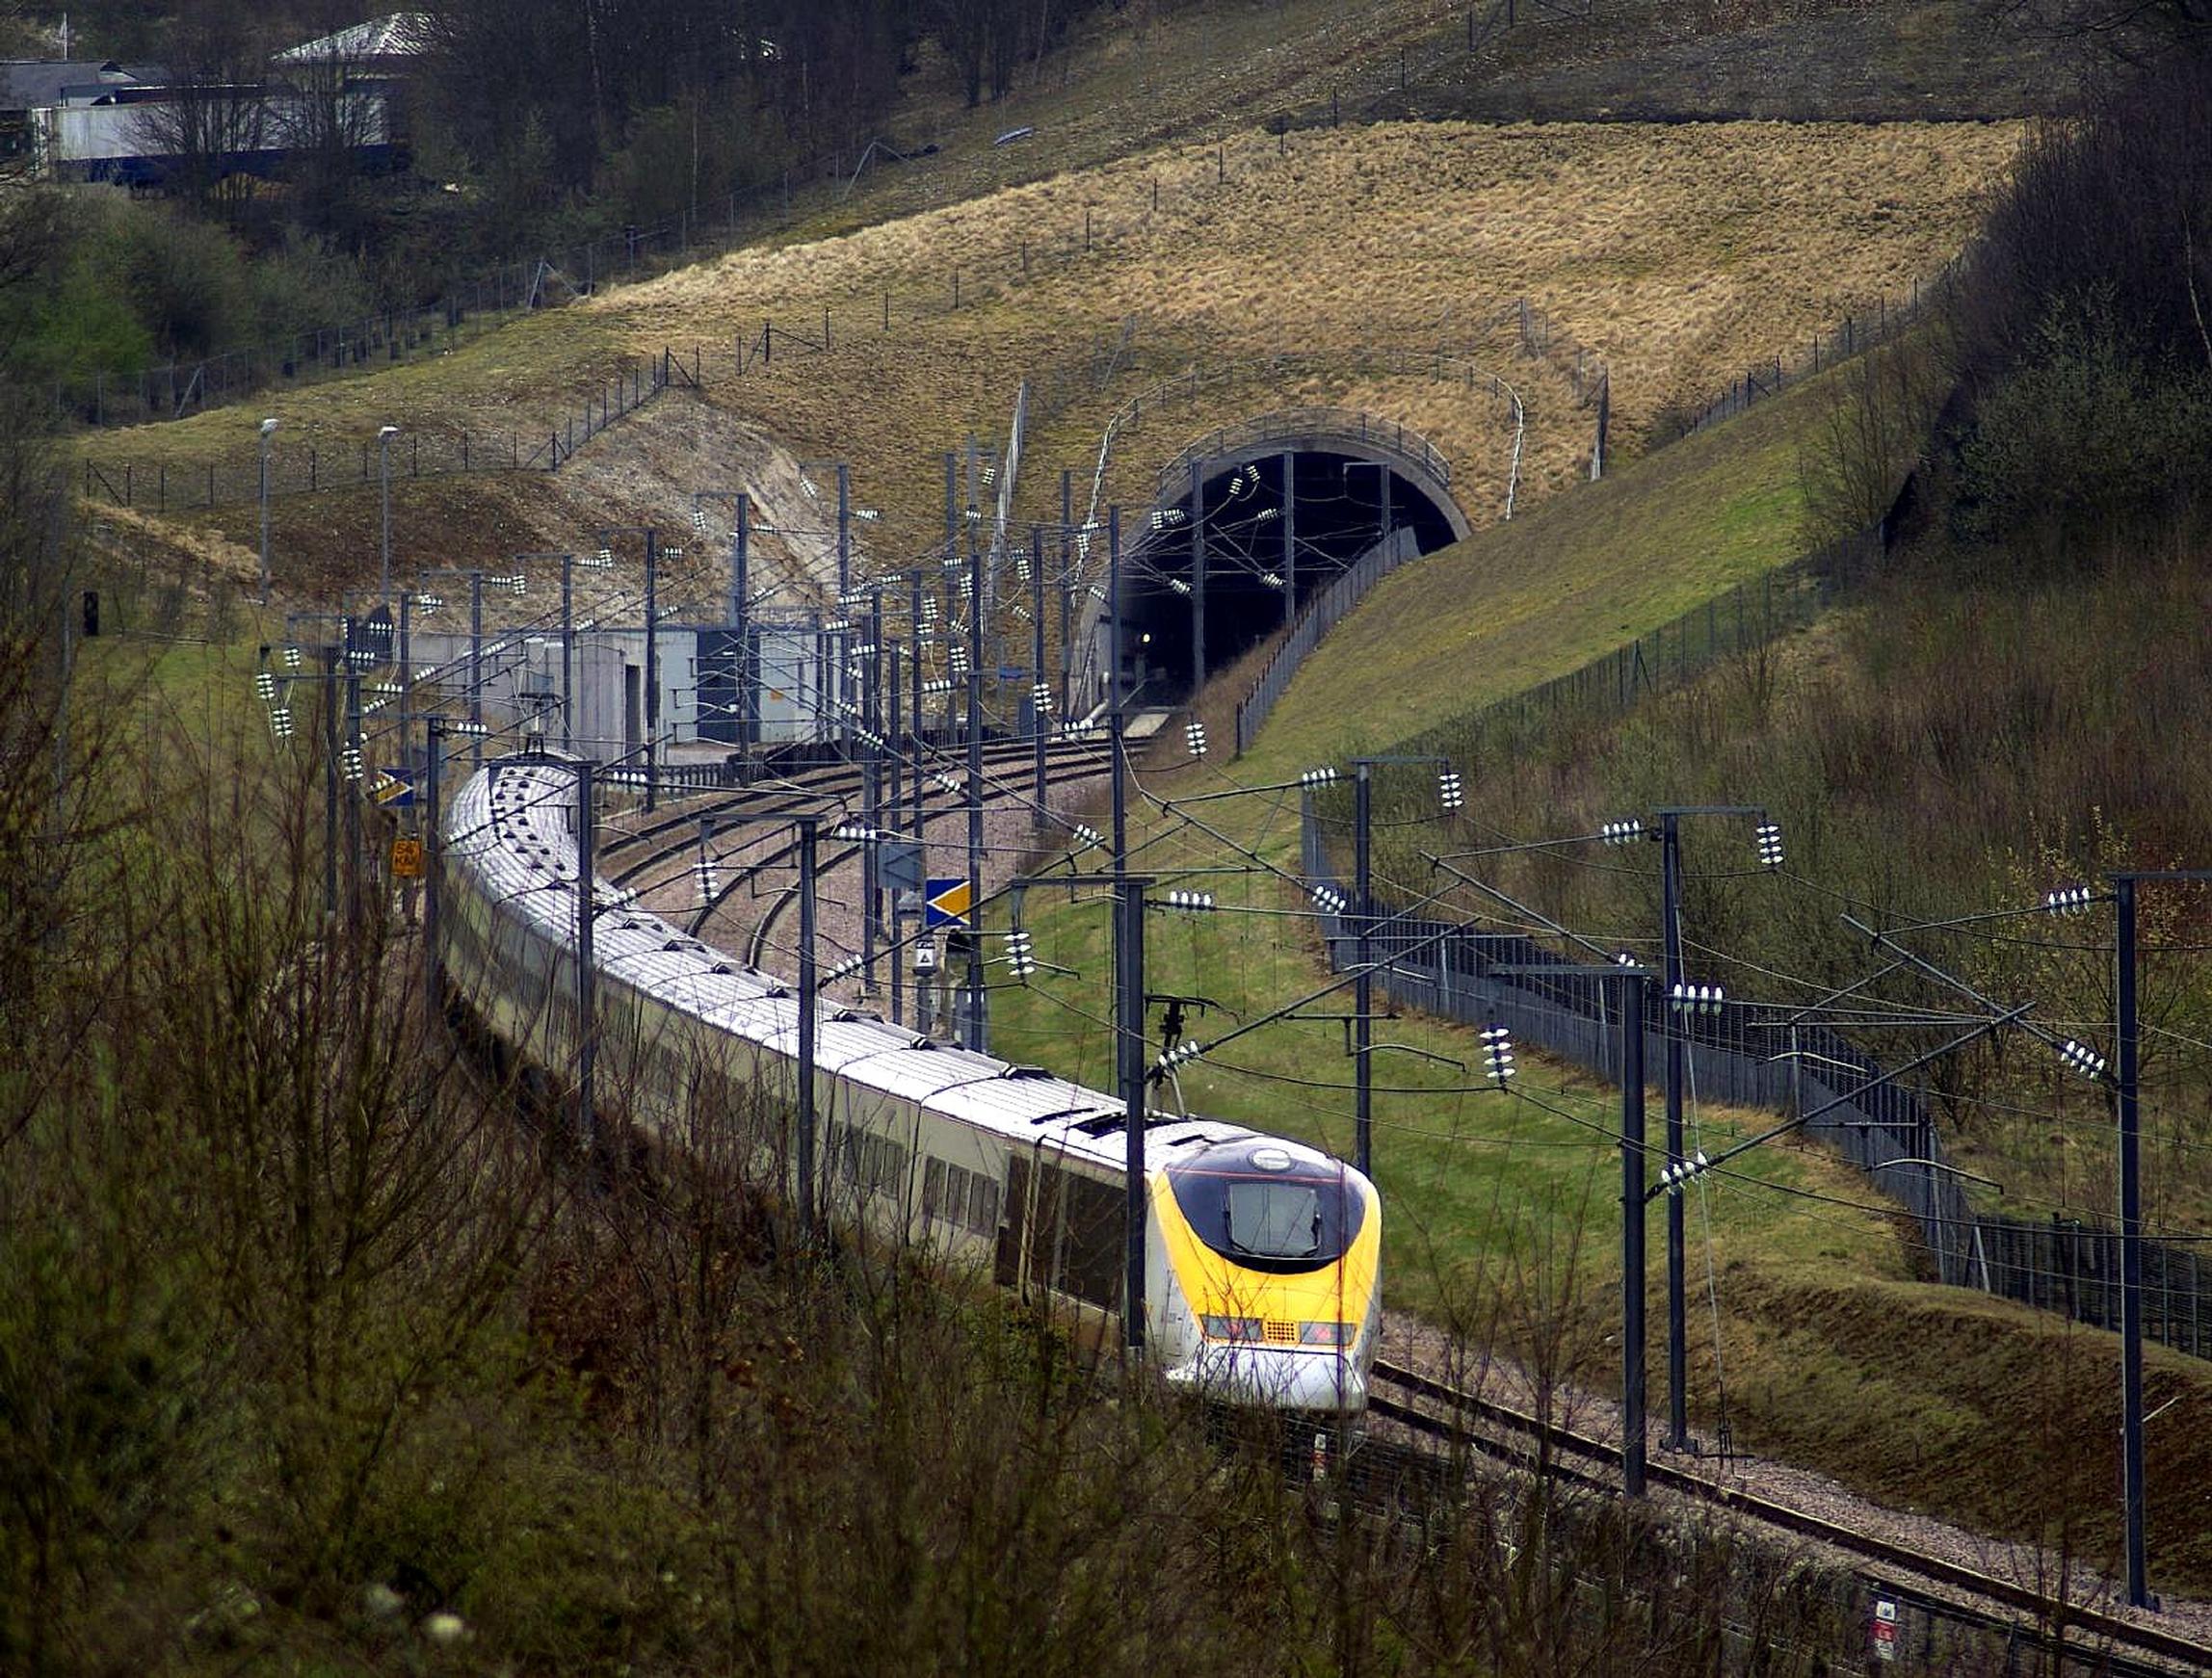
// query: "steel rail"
[[2047, 1610]]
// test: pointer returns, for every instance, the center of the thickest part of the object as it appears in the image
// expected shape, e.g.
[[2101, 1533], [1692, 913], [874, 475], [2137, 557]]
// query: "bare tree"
[[215, 114]]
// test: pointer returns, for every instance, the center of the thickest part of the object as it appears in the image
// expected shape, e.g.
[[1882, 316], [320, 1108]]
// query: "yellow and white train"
[[1263, 1256]]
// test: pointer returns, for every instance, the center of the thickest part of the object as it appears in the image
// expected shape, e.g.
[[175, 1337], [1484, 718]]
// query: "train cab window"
[[1278, 1221], [1257, 1203]]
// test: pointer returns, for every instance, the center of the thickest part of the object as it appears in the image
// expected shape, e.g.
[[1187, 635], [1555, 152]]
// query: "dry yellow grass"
[[1680, 254]]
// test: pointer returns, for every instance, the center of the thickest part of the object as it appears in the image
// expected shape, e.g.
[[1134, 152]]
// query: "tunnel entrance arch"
[[1252, 520]]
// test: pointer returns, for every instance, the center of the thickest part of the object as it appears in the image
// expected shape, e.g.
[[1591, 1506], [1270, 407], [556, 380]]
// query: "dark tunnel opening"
[[1269, 534]]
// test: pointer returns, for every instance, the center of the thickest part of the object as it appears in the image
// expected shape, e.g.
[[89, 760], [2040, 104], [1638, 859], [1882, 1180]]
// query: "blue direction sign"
[[946, 903]]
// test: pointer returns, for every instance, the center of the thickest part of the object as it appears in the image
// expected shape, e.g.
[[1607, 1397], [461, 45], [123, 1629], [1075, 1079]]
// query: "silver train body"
[[1263, 1255]]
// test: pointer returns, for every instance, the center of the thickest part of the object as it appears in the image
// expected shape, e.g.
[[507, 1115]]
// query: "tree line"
[[522, 126]]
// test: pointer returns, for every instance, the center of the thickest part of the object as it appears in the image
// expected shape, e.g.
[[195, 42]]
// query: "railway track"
[[767, 801], [758, 945], [2057, 1629], [651, 846]]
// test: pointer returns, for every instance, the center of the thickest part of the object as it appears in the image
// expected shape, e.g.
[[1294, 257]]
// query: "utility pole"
[[974, 1031], [1677, 1312], [1116, 724], [1040, 689], [476, 667], [2131, 1460], [740, 611], [897, 920], [433, 849], [872, 791], [1633, 982], [808, 831], [1129, 1047], [1198, 577], [586, 970], [652, 669], [1289, 537], [1364, 983], [330, 656]]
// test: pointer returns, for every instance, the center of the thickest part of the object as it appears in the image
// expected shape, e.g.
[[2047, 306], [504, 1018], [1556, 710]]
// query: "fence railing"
[[1740, 622], [305, 470], [1853, 335], [1372, 431], [1321, 613]]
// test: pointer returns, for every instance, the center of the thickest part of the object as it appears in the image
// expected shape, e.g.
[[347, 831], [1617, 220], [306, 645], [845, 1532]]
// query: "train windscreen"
[[1266, 1208]]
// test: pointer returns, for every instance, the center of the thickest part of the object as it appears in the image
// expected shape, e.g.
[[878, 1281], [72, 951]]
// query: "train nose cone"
[[1328, 1382]]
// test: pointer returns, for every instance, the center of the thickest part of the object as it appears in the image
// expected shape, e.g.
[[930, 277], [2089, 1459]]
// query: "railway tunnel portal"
[[1251, 522]]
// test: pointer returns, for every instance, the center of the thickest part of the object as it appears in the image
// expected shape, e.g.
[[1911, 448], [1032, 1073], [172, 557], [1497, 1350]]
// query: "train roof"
[[511, 825]]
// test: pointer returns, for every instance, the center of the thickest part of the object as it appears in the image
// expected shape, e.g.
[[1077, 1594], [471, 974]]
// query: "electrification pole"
[[1115, 722], [809, 830], [568, 653], [740, 611], [1633, 984], [434, 856], [872, 791], [1129, 1045], [2131, 1461], [331, 657], [1040, 689], [586, 969], [1198, 577], [476, 667], [1677, 1315], [1364, 983], [898, 921], [974, 1031], [652, 669]]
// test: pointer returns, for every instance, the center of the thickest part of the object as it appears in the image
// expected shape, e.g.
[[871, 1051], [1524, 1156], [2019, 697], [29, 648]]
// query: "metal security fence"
[[1850, 336], [1747, 617], [303, 469], [1321, 613], [1764, 1055]]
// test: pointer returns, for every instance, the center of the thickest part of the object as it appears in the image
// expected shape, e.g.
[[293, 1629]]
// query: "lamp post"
[[385, 438], [268, 429]]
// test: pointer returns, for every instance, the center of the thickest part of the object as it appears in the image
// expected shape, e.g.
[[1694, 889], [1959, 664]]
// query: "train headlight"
[[1325, 1334], [1234, 1327]]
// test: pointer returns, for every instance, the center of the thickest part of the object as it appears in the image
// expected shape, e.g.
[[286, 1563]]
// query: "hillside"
[[1671, 256]]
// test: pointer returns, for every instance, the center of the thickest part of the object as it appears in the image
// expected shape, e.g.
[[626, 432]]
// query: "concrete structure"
[[519, 685], [82, 120]]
